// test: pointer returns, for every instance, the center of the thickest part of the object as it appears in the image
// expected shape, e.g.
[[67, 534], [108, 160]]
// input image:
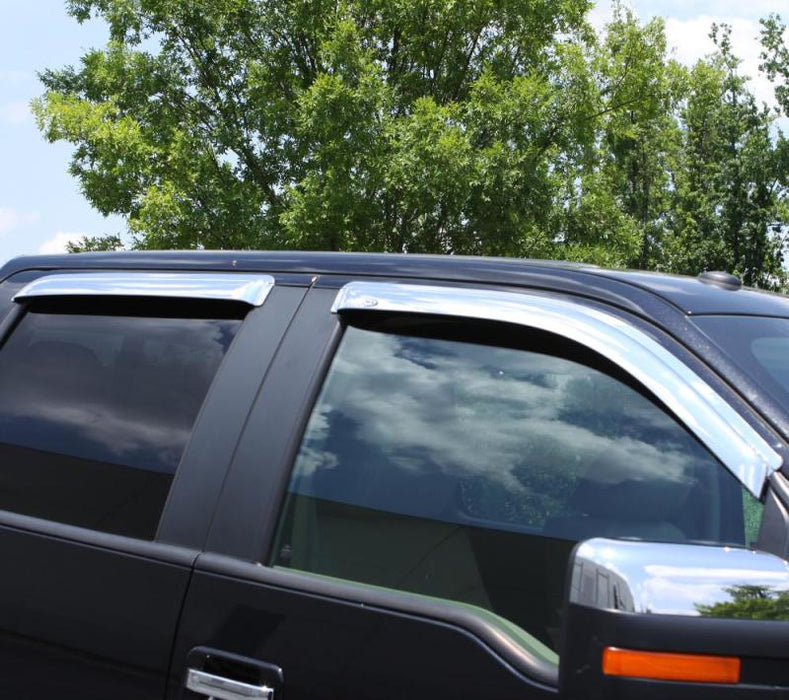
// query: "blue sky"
[[41, 207], [40, 203]]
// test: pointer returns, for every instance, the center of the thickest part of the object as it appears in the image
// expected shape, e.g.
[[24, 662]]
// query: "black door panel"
[[83, 620], [332, 650]]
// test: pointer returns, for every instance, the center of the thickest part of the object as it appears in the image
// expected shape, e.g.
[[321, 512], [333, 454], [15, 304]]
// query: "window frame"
[[187, 512], [300, 369], [250, 506], [526, 349]]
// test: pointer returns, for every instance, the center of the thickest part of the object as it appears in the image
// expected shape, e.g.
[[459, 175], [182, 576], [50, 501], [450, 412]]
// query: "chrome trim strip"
[[247, 288], [705, 413], [660, 578]]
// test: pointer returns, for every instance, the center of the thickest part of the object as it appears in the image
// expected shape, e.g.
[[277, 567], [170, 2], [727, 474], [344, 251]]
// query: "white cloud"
[[15, 112], [690, 41], [494, 414], [599, 16], [684, 9], [57, 244], [734, 8], [11, 219], [688, 36]]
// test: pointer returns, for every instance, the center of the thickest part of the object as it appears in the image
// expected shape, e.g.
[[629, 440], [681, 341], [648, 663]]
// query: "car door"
[[123, 394], [419, 464]]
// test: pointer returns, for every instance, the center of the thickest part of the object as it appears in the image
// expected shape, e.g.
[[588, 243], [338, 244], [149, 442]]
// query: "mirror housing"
[[649, 619]]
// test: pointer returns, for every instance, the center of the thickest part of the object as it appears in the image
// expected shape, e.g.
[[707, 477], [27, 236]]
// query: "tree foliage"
[[752, 602], [94, 244], [502, 127]]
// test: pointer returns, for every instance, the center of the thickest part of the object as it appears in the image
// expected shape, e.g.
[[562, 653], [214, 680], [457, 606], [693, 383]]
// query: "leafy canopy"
[[503, 127]]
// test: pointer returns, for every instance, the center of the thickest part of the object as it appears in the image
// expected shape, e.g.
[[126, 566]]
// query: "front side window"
[[97, 408], [465, 464], [759, 345]]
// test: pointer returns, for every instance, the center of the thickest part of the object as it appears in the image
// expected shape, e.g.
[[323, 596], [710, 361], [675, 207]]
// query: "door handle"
[[220, 688]]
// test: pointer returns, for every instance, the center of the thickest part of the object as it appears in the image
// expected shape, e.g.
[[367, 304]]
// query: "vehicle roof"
[[688, 294]]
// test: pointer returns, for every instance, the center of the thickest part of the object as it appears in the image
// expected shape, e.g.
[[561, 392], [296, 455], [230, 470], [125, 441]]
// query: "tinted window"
[[467, 471], [12, 285], [96, 412], [759, 345]]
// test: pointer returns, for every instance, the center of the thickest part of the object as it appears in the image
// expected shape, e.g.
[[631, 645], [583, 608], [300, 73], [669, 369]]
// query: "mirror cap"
[[663, 620], [662, 578]]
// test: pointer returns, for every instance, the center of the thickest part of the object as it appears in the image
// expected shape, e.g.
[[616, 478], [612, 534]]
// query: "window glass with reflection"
[[759, 345], [97, 409], [465, 465]]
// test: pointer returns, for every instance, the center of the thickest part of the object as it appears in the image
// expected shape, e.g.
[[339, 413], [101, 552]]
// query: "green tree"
[[728, 200], [752, 602], [93, 244], [502, 127], [775, 58], [406, 125], [621, 195], [775, 64]]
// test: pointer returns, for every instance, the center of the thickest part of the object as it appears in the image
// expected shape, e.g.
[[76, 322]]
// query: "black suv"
[[333, 476]]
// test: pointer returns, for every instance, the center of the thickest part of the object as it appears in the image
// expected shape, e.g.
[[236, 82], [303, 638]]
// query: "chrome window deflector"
[[247, 288], [703, 411]]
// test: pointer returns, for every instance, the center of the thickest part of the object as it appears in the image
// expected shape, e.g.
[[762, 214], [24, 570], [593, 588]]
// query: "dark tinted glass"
[[12, 285], [96, 412], [759, 345], [467, 471]]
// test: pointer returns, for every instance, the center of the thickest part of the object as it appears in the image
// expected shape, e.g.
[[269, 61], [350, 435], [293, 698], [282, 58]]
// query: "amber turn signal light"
[[658, 665]]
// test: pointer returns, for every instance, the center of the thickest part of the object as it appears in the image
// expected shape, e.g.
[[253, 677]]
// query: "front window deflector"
[[695, 403]]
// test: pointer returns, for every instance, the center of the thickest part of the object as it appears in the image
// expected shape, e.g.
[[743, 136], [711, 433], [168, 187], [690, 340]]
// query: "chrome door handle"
[[221, 688]]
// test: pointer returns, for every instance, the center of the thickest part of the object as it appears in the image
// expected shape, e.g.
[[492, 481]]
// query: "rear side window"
[[97, 408], [465, 465]]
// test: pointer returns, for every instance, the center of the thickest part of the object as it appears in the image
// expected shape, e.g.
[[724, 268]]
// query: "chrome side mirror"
[[657, 578], [646, 618]]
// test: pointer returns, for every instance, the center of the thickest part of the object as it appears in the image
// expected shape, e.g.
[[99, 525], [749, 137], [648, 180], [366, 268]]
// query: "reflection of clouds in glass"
[[476, 411], [682, 591], [751, 575], [118, 389], [115, 435], [669, 597], [312, 457]]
